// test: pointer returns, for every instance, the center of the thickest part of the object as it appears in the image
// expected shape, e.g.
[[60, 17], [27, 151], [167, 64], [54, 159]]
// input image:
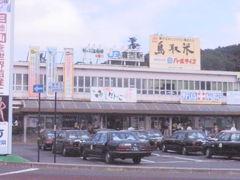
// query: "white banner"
[[114, 94], [68, 73], [3, 137], [201, 97], [233, 97]]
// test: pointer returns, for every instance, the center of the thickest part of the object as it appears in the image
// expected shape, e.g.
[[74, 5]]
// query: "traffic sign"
[[56, 87], [38, 88]]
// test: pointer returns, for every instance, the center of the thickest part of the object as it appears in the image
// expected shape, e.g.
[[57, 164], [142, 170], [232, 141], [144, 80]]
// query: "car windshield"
[[78, 134], [142, 134], [196, 135], [50, 135], [122, 136], [155, 134], [235, 137]]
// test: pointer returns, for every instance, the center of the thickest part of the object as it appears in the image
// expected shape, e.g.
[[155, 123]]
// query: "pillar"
[[25, 118]]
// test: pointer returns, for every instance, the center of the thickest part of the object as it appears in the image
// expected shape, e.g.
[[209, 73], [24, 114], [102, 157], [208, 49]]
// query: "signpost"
[[38, 88], [55, 87]]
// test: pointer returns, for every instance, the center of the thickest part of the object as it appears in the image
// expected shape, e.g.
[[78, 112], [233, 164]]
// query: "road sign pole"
[[55, 126], [39, 106]]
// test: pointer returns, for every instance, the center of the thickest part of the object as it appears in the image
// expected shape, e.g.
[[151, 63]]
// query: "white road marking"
[[148, 161], [18, 172], [182, 158], [155, 154]]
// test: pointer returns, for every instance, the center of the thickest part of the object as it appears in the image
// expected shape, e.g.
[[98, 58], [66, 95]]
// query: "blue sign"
[[115, 55], [1, 132], [38, 88]]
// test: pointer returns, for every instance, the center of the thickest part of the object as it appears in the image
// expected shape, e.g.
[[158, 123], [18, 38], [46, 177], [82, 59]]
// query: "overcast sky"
[[109, 23]]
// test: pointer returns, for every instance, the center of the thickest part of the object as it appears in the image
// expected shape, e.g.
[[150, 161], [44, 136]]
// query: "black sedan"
[[116, 144], [227, 144], [184, 141], [46, 139], [70, 141]]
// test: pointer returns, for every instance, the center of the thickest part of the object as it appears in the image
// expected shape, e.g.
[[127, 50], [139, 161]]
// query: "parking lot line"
[[18, 172], [148, 161], [182, 158]]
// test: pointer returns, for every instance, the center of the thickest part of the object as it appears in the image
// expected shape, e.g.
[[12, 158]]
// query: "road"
[[9, 173], [158, 159]]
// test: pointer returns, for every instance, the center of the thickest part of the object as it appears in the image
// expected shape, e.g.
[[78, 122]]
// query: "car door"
[[92, 149], [223, 144], [234, 144], [100, 145], [60, 141], [179, 142], [171, 141]]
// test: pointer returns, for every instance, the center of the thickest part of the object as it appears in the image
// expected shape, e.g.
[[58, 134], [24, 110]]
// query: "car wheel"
[[64, 152], [108, 158], [164, 148], [136, 160], [84, 154], [209, 153], [184, 151], [229, 157]]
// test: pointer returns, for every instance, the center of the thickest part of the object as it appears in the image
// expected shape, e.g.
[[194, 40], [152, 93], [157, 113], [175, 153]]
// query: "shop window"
[[230, 86], [80, 83], [126, 85], [208, 84], [75, 84], [224, 87], [180, 86], [144, 86], [191, 85], [150, 86], [25, 82], [132, 83], [214, 86], [156, 86], [119, 82], [18, 82], [87, 84], [107, 83], [185, 85], [100, 81], [168, 87], [94, 81], [219, 86], [197, 85], [113, 82], [174, 87], [235, 86], [138, 84], [60, 78], [203, 86], [162, 86]]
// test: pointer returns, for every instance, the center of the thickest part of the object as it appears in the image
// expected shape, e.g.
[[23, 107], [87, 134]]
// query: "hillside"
[[222, 58]]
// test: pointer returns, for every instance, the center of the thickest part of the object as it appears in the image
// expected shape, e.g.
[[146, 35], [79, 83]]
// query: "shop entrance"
[[114, 122]]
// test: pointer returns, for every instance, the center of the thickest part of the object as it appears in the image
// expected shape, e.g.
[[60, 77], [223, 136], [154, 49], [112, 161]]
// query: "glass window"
[[87, 84], [60, 78], [208, 84], [144, 86], [25, 82], [75, 83], [150, 86], [197, 85], [107, 83], [235, 86], [94, 81], [126, 83], [138, 84], [214, 86], [113, 82], [168, 87], [80, 83], [100, 81], [132, 83], [225, 137], [191, 85], [203, 87], [185, 84], [224, 86], [119, 82], [235, 137], [103, 138], [174, 87], [18, 81], [219, 86], [230, 86], [156, 86], [14, 75], [162, 86]]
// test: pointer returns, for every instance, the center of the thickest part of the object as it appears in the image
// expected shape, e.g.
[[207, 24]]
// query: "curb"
[[115, 168]]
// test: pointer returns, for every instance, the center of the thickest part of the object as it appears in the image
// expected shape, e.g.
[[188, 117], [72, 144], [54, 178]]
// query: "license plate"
[[135, 148]]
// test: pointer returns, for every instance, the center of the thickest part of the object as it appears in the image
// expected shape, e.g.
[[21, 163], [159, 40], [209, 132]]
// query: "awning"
[[129, 108]]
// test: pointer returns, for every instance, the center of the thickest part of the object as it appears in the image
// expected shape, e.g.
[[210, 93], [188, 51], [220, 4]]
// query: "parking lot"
[[157, 159]]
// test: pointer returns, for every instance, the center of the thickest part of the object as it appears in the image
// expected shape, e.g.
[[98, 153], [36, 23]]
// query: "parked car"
[[155, 138], [70, 141], [227, 144], [184, 141], [116, 144], [46, 139]]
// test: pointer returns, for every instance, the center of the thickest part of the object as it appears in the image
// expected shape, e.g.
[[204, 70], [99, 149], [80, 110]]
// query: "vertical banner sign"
[[51, 71], [6, 51], [33, 70], [68, 73]]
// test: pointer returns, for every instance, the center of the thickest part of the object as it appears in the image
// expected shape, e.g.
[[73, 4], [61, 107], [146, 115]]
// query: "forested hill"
[[222, 58]]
